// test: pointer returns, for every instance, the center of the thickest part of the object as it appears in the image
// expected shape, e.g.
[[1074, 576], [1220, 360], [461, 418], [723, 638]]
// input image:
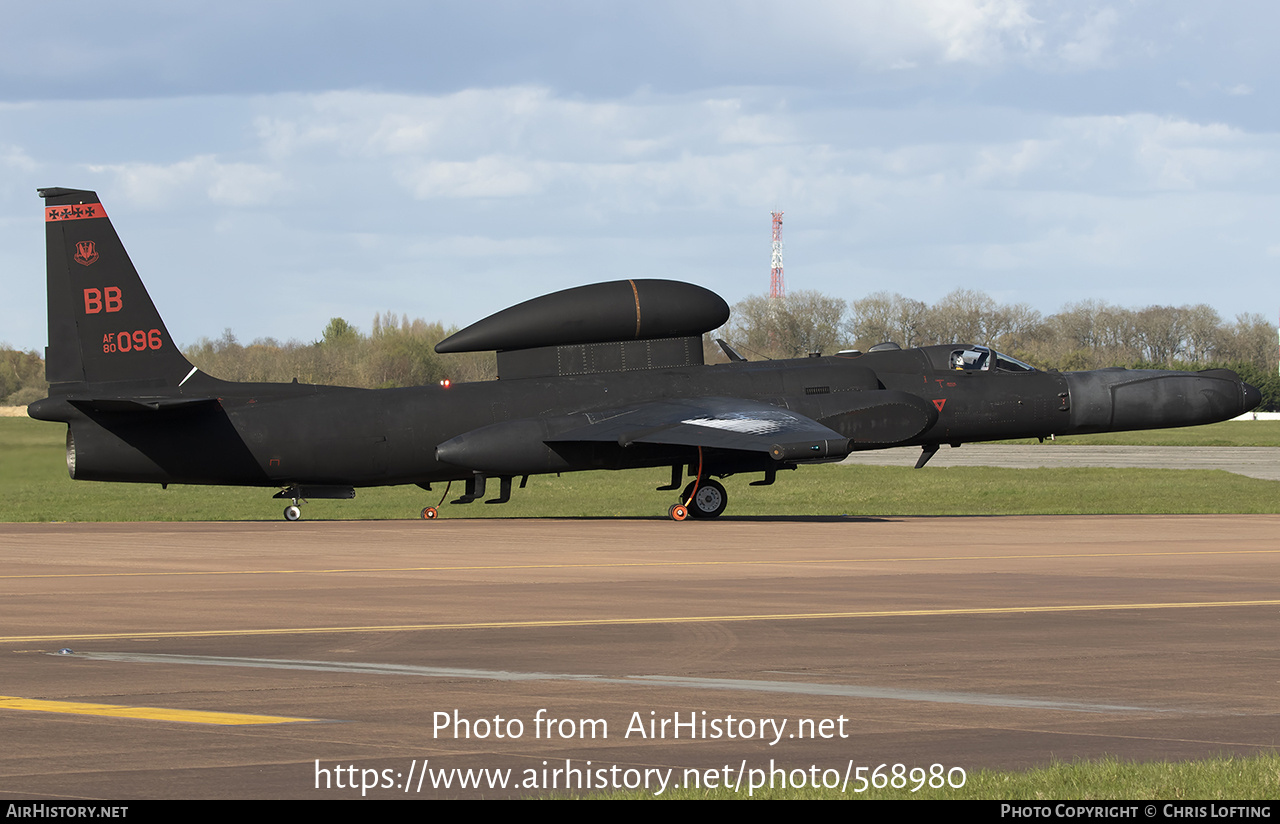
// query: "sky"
[[270, 165]]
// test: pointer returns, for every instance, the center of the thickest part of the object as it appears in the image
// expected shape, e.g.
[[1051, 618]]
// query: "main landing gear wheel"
[[678, 512], [292, 513], [430, 514], [709, 500]]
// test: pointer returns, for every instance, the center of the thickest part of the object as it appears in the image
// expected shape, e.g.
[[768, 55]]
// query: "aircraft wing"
[[871, 419], [718, 423]]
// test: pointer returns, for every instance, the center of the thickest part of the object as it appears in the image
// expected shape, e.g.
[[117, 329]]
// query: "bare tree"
[[789, 327], [882, 316], [1251, 339], [1202, 332]]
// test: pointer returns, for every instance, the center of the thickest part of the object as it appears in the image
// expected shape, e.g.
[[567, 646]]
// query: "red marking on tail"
[[79, 211]]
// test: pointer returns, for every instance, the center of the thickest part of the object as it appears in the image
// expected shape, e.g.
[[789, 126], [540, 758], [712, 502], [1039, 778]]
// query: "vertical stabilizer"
[[103, 327]]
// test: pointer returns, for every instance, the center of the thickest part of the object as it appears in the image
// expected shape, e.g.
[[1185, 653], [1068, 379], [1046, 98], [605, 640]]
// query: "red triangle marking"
[[940, 402]]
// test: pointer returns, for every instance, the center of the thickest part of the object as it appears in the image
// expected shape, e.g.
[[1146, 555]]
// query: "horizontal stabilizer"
[[139, 404], [57, 408]]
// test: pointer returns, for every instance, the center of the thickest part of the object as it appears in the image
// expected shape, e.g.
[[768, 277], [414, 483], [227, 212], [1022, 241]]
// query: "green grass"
[[1109, 779], [1227, 433], [34, 486]]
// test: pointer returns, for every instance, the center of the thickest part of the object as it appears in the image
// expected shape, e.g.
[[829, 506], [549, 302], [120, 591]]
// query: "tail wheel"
[[430, 514], [292, 513], [678, 512], [709, 500]]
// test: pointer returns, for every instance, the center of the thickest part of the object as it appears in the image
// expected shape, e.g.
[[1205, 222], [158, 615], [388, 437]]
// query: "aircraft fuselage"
[[281, 434], [605, 376]]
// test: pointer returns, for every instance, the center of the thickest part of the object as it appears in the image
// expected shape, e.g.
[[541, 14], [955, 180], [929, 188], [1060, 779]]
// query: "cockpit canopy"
[[980, 359]]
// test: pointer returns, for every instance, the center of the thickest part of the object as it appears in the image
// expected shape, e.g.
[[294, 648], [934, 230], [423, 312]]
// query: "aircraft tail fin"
[[103, 327]]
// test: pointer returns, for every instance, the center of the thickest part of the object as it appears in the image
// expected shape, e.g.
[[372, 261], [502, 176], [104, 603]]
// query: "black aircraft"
[[607, 376]]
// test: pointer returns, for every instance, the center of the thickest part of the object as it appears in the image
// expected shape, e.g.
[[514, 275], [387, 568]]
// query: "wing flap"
[[716, 423]]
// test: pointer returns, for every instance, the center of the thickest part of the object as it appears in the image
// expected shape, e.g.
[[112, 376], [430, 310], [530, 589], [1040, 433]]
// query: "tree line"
[[1087, 335], [1090, 334], [397, 352], [21, 377]]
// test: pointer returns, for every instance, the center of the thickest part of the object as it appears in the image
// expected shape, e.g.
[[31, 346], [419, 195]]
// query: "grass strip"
[[35, 487], [1227, 433], [1225, 778]]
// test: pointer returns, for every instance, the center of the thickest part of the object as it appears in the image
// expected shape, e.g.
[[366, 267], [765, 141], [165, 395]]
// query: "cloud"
[[890, 35], [521, 190], [484, 177], [1127, 153], [17, 159], [1090, 45], [978, 31], [526, 141], [157, 186], [598, 161]]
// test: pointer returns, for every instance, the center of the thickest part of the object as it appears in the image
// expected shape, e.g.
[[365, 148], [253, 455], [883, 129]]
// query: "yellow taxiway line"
[[594, 622], [647, 564], [10, 702]]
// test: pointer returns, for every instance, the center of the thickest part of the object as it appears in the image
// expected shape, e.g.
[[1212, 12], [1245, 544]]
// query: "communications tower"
[[777, 287]]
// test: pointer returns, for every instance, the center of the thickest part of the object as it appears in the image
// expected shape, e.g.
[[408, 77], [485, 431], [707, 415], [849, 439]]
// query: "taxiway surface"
[[259, 660], [1253, 461]]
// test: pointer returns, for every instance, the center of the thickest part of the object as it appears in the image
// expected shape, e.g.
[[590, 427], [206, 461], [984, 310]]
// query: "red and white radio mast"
[[777, 287]]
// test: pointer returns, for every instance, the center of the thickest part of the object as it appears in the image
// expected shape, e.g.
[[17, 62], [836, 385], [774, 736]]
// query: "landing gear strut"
[[475, 491], [708, 500], [703, 498], [299, 494], [292, 512]]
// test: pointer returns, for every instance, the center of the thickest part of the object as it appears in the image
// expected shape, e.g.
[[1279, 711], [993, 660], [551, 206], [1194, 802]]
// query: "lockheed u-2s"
[[607, 376]]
